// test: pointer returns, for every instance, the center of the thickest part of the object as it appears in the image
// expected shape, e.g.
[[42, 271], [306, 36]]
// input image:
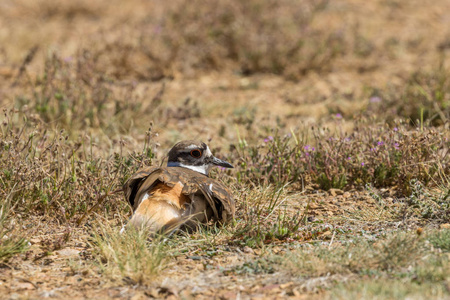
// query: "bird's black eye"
[[196, 153]]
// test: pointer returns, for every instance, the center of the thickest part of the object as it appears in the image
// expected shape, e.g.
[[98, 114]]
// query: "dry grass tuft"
[[12, 242], [131, 256]]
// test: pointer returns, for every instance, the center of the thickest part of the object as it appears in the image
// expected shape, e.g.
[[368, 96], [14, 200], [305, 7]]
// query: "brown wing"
[[223, 194], [218, 196], [133, 185]]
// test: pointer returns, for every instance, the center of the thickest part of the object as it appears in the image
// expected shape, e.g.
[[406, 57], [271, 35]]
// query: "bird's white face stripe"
[[191, 147], [208, 152], [201, 169]]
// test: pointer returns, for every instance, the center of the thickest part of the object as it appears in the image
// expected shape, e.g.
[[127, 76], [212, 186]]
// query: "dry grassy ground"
[[334, 113]]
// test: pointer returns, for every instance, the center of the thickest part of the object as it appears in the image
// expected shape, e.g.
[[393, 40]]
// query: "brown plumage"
[[165, 198]]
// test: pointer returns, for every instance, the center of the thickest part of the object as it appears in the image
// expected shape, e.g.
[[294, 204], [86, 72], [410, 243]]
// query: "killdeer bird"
[[180, 195]]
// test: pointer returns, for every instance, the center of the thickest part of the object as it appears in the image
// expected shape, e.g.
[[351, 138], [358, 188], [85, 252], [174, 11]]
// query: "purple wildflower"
[[339, 116], [362, 164], [396, 146], [269, 138], [395, 129], [380, 143], [375, 99], [349, 158], [157, 29]]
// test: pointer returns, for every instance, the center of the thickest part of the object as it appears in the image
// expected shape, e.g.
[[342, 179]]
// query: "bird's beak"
[[221, 163]]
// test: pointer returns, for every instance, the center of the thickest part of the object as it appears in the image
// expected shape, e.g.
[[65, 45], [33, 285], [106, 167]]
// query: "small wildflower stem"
[[100, 200], [332, 239], [28, 59], [294, 136]]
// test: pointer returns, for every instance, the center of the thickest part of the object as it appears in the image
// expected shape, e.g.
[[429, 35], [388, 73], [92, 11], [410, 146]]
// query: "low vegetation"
[[129, 255], [338, 133]]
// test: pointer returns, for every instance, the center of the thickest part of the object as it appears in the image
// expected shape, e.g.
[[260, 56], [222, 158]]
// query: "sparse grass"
[[423, 203], [397, 259], [11, 241], [440, 239], [389, 289], [258, 266], [46, 173], [131, 256], [425, 98], [431, 204], [359, 256], [264, 219], [70, 94]]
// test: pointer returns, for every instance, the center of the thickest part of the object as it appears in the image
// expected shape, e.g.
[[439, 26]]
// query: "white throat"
[[204, 169]]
